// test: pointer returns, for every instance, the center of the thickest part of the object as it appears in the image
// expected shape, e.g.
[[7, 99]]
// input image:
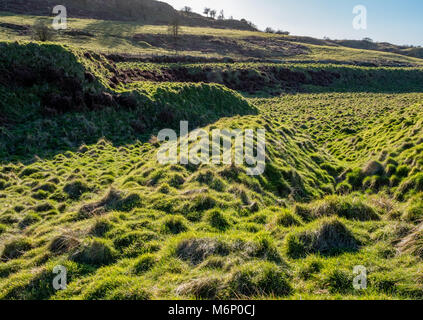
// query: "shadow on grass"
[[46, 137]]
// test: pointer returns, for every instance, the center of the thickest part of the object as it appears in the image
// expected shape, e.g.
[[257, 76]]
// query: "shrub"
[[216, 219], [41, 31], [281, 32], [259, 278], [174, 224]]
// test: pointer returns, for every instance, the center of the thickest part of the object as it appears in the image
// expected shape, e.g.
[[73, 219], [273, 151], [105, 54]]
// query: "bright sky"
[[396, 21]]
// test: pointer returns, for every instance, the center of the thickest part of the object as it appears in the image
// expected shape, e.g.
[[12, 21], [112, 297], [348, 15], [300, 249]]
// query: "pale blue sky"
[[396, 21]]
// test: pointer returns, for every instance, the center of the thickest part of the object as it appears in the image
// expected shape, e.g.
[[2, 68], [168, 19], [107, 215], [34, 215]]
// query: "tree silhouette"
[[213, 13], [41, 31], [186, 9], [174, 30]]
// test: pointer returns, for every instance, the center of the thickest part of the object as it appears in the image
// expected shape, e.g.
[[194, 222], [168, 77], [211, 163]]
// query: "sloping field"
[[80, 184], [132, 38]]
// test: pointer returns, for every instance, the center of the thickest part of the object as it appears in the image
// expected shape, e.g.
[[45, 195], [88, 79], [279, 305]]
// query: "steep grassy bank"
[[55, 98], [275, 79]]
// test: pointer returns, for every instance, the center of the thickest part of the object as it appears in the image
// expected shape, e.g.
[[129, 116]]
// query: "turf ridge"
[[71, 87]]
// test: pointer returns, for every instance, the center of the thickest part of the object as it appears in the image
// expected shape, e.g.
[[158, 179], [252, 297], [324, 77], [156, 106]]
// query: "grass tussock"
[[327, 237], [412, 243]]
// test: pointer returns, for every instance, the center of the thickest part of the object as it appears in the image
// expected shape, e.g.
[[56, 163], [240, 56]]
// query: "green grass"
[[275, 78], [82, 188], [147, 105]]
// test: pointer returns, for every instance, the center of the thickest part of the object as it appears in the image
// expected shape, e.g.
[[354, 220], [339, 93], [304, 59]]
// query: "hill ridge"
[[143, 11]]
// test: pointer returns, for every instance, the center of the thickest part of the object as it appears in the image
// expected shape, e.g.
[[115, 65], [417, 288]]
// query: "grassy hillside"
[[132, 38], [383, 46], [141, 11], [80, 184], [342, 187]]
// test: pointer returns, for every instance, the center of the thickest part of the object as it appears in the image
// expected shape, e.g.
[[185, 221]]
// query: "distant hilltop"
[[144, 11]]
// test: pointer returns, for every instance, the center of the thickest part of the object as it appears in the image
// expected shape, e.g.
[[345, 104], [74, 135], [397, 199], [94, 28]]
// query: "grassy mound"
[[259, 279], [56, 97], [327, 237], [345, 207]]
